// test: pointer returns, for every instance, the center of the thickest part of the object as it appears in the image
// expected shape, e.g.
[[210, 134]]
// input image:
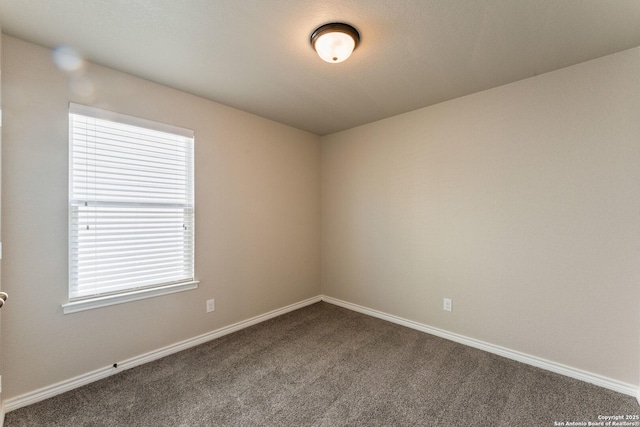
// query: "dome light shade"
[[334, 42]]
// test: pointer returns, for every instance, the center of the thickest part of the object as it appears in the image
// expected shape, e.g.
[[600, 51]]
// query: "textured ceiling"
[[255, 55]]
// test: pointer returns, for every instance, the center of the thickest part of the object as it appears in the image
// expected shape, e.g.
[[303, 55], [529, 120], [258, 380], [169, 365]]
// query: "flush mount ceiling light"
[[334, 42]]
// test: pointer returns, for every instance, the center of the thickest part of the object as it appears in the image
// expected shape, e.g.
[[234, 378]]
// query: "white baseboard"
[[70, 384], [548, 365]]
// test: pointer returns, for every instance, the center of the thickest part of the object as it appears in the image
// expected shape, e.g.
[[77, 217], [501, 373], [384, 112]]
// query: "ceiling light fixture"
[[334, 42]]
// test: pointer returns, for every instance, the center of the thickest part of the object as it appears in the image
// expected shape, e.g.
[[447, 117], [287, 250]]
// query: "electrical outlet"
[[446, 304], [211, 305]]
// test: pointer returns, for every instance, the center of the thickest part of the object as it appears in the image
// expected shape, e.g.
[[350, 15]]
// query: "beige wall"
[[257, 221], [521, 203], [1, 367]]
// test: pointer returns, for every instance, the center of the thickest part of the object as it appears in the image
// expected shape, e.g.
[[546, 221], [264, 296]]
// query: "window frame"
[[81, 303]]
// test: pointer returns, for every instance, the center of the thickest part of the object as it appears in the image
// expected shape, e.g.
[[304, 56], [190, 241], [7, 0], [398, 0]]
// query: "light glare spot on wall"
[[67, 59], [83, 86], [70, 62]]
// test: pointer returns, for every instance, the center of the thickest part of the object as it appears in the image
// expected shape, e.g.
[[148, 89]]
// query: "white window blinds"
[[131, 203]]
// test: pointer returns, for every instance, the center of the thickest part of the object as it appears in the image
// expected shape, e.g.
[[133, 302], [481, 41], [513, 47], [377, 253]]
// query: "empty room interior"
[[458, 195]]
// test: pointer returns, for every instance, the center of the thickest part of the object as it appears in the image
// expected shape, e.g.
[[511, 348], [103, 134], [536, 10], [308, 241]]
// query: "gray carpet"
[[326, 366]]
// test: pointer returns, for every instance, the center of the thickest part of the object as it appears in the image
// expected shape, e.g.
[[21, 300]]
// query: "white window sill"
[[104, 301]]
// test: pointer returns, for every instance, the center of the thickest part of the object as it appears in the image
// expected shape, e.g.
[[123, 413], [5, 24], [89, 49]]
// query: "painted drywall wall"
[[1, 366], [520, 203], [257, 220]]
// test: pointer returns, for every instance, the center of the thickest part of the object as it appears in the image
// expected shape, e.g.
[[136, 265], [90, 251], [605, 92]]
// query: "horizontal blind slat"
[[88, 129], [86, 137], [102, 275], [139, 277], [146, 282]]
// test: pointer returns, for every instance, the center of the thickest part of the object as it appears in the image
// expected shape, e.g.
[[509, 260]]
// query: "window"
[[131, 208]]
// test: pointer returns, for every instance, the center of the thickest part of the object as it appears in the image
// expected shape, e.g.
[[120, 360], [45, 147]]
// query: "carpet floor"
[[323, 365]]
